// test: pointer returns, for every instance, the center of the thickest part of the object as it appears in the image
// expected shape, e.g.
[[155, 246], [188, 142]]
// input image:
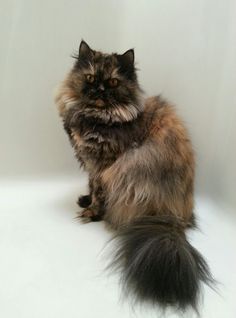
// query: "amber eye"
[[113, 82], [90, 78]]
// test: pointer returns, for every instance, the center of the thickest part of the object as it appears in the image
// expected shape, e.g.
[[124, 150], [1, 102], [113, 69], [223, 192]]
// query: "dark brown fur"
[[137, 153]]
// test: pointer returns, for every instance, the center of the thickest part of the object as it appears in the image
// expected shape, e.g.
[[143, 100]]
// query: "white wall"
[[185, 50]]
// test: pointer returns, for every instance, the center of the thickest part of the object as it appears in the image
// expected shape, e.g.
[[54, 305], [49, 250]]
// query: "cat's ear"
[[128, 57], [126, 62], [85, 52]]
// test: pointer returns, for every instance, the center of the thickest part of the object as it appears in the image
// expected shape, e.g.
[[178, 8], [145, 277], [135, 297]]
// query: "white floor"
[[52, 266]]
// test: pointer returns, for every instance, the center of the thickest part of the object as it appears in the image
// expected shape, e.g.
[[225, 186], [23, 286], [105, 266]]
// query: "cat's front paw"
[[84, 201]]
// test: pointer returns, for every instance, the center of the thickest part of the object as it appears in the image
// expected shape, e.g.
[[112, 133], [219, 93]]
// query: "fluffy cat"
[[141, 175]]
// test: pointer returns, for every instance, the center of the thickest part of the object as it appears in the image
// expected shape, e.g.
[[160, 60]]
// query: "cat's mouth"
[[100, 102]]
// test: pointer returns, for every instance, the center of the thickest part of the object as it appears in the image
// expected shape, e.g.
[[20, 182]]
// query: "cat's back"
[[168, 132]]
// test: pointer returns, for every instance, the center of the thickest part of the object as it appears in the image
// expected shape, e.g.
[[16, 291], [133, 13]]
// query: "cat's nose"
[[101, 87]]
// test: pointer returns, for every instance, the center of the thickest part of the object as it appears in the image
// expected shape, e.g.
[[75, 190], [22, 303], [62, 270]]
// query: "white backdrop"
[[184, 49]]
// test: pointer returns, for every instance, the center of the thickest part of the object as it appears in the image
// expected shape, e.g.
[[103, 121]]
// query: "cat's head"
[[106, 82]]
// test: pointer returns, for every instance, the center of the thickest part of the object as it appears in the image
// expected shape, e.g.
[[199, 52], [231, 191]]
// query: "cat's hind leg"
[[91, 214]]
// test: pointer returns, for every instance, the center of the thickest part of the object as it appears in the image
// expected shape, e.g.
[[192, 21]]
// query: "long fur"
[[141, 175], [158, 264]]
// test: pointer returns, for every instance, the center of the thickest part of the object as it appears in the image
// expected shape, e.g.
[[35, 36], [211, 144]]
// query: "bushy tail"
[[158, 264]]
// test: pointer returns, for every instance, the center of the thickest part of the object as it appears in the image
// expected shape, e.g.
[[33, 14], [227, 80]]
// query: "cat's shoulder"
[[157, 103], [164, 117], [159, 108]]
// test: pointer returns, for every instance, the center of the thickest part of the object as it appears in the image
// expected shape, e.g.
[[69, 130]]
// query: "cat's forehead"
[[104, 64]]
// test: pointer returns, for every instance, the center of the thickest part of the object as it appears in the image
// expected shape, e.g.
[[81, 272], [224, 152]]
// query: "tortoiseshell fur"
[[141, 169]]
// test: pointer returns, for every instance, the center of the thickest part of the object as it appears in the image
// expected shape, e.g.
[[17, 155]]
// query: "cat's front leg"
[[84, 201], [96, 209], [70, 122]]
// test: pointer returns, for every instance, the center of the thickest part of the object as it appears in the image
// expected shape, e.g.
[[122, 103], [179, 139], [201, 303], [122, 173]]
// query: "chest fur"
[[98, 145]]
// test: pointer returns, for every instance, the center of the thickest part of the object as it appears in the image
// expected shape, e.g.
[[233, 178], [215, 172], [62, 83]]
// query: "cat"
[[140, 162]]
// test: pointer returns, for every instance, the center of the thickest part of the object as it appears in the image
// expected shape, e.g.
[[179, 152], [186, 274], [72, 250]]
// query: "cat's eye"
[[113, 82], [90, 78]]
